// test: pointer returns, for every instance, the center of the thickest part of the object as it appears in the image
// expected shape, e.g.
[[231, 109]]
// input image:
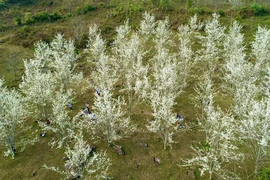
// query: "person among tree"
[[180, 125], [87, 107], [97, 90], [48, 122], [70, 105], [179, 117]]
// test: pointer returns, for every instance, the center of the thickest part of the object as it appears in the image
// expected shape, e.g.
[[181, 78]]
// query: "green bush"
[[134, 8], [28, 18], [24, 2], [55, 16], [264, 173], [243, 10], [221, 12], [18, 20], [197, 10], [189, 3], [259, 10], [25, 28], [101, 4], [2, 6], [164, 3], [85, 9], [42, 17]]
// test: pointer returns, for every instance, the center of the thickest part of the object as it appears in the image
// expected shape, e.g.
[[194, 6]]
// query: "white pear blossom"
[[38, 88], [211, 42], [261, 49], [219, 148], [12, 113], [60, 122], [82, 162], [147, 26]]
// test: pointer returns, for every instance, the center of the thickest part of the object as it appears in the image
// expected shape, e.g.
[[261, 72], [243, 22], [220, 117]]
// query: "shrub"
[[221, 12], [164, 3], [28, 18], [23, 2], [243, 10], [101, 4], [189, 3], [264, 173], [18, 20], [197, 10], [258, 10], [42, 17], [85, 9], [25, 28], [55, 16], [2, 6], [134, 8]]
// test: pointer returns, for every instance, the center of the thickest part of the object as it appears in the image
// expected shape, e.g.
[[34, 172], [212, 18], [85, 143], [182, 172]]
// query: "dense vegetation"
[[207, 67]]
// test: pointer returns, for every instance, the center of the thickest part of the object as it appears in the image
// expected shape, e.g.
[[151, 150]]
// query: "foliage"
[[124, 8], [85, 9], [42, 17], [264, 173], [189, 3], [164, 4], [198, 10], [18, 20], [259, 10], [221, 12], [18, 1], [2, 6]]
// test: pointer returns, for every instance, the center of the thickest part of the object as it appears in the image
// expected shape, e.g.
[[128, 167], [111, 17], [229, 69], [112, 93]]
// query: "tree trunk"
[[108, 127], [11, 146]]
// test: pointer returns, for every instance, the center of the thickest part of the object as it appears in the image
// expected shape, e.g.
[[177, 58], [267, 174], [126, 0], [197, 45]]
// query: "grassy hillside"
[[23, 24]]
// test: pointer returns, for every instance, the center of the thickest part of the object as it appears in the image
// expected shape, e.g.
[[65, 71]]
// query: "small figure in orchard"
[[70, 105], [179, 121], [87, 106], [179, 117], [98, 91], [48, 122]]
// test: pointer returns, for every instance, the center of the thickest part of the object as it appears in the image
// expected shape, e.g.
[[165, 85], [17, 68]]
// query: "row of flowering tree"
[[151, 65], [240, 133]]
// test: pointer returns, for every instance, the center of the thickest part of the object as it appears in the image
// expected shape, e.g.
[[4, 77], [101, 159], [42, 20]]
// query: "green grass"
[[137, 163]]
